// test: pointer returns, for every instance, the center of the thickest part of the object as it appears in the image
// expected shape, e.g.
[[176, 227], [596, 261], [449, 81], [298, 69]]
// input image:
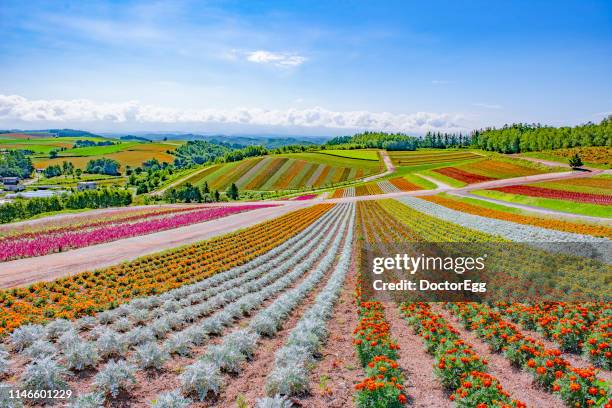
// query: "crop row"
[[58, 241], [367, 189], [498, 169], [377, 351], [82, 221], [457, 365], [293, 361], [532, 191], [239, 296], [574, 327], [578, 387], [203, 378], [378, 354], [403, 184], [549, 223], [462, 175], [89, 292], [387, 187], [496, 227]]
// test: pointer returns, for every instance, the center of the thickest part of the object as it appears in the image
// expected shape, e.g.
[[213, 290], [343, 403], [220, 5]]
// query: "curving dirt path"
[[388, 164], [44, 268]]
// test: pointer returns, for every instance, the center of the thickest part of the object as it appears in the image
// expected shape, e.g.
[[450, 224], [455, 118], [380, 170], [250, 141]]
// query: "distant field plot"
[[597, 156], [560, 203], [289, 172], [130, 154], [601, 185], [485, 170], [362, 154], [420, 157], [200, 175]]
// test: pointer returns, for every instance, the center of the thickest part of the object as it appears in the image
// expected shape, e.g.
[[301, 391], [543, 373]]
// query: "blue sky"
[[303, 67]]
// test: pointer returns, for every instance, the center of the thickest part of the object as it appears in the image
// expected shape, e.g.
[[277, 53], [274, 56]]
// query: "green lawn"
[[549, 203]]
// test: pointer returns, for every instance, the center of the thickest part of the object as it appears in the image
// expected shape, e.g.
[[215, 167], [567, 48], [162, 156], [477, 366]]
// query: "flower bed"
[[549, 369], [37, 244], [403, 184], [589, 229], [531, 191], [89, 292], [462, 175], [304, 197], [457, 366]]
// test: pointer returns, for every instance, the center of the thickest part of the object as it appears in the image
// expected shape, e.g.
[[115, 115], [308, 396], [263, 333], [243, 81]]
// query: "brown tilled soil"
[[423, 388], [332, 382], [518, 383], [576, 360]]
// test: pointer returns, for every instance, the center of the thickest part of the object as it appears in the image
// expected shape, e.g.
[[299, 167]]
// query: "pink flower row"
[[304, 197], [83, 223], [45, 243]]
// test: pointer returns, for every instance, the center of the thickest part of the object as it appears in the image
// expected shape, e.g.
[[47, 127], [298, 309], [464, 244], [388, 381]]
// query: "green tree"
[[575, 161], [232, 192]]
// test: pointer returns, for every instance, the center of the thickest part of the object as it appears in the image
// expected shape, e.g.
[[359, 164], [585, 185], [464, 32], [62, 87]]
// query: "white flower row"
[[293, 361], [348, 192], [387, 187]]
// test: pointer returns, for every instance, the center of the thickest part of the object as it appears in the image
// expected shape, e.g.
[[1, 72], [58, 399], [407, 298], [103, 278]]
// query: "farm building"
[[12, 184]]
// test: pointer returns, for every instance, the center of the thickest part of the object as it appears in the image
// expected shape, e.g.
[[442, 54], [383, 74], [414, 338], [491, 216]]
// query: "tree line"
[[21, 209], [399, 141], [522, 137]]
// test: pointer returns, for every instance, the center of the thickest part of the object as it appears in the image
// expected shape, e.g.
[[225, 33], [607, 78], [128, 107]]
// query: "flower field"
[[531, 191], [550, 223], [289, 172], [601, 184], [61, 239], [400, 158], [90, 292], [462, 175], [486, 170], [250, 318]]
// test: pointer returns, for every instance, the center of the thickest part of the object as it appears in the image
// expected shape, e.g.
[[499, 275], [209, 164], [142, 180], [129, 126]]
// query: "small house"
[[86, 185], [12, 184]]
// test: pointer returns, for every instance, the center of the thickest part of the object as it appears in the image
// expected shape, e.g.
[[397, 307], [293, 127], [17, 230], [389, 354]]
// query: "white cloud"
[[279, 59], [17, 109]]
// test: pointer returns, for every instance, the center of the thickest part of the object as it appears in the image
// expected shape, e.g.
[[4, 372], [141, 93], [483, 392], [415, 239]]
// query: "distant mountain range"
[[268, 141]]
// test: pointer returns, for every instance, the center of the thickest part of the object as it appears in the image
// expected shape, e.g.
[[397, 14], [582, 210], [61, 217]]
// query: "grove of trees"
[[22, 209], [103, 166], [521, 137], [15, 163]]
